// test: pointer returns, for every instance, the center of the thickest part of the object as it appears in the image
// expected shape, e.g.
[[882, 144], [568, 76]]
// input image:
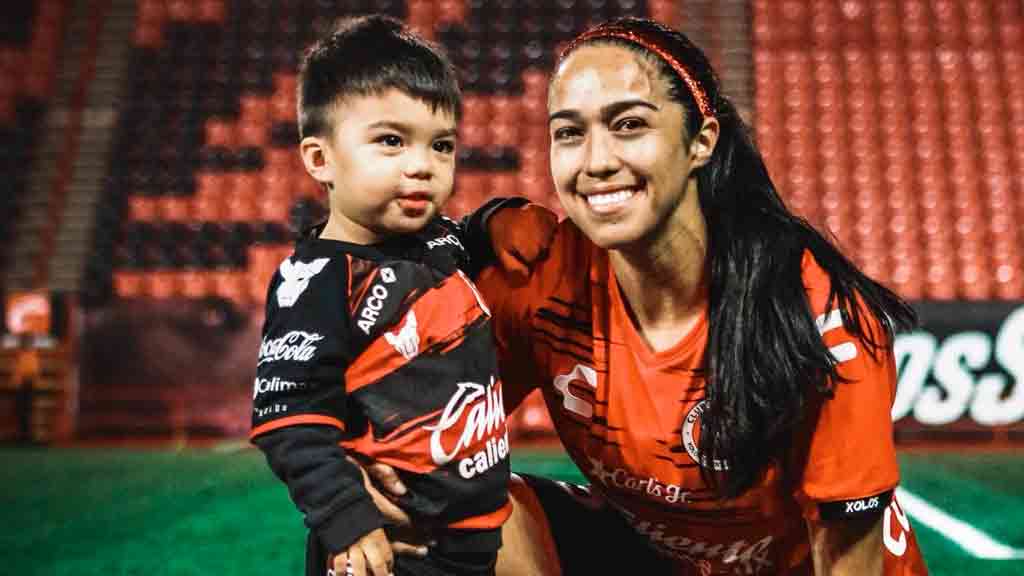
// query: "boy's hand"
[[521, 236], [368, 556]]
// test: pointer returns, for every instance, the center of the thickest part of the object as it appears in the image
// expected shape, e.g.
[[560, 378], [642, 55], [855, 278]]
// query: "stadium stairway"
[[72, 243], [42, 206]]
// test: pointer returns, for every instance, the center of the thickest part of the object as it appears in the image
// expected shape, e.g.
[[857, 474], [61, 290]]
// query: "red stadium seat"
[[194, 284], [160, 284], [176, 209], [128, 284]]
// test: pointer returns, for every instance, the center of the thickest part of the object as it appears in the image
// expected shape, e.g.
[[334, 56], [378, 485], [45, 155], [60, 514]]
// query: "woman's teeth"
[[610, 198]]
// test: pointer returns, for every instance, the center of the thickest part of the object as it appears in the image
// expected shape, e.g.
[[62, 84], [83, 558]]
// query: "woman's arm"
[[528, 548], [848, 546]]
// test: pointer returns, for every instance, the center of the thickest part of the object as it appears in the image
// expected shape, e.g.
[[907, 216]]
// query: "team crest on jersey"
[[406, 341], [295, 279], [691, 426]]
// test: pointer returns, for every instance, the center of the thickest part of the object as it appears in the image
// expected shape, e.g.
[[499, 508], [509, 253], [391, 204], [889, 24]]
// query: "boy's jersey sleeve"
[[476, 237], [846, 455], [299, 400], [300, 370]]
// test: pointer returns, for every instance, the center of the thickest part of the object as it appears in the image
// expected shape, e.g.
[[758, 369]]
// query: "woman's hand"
[[384, 486]]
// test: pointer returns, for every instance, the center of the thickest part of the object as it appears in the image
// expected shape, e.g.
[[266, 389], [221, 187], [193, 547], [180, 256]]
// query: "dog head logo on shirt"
[[295, 276]]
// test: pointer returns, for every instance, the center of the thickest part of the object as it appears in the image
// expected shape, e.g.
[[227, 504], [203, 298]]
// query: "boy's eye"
[[390, 140], [566, 133], [444, 146]]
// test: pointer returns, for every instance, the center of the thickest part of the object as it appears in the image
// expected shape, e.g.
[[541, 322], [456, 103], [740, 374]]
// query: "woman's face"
[[619, 158]]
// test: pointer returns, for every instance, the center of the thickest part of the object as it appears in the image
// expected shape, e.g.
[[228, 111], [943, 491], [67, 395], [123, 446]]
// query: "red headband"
[[696, 90]]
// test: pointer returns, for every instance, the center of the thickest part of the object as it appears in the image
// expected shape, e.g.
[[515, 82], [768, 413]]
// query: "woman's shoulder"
[[817, 282], [571, 247]]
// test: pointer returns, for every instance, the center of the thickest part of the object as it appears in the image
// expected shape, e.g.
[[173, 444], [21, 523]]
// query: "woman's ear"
[[702, 146], [316, 160]]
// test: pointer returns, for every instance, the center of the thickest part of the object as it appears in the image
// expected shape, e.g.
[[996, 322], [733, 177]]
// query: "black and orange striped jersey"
[[385, 351], [630, 418]]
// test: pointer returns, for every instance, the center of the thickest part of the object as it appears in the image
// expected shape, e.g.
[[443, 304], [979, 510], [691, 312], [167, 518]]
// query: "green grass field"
[[206, 512]]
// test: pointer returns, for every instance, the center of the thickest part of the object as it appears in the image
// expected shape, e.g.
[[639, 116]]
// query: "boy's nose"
[[418, 165]]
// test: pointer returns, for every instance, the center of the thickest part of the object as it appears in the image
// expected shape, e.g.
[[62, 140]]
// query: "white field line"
[[974, 541]]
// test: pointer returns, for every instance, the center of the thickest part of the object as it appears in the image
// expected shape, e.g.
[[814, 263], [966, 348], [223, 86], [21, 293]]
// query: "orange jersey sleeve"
[[513, 304], [848, 453]]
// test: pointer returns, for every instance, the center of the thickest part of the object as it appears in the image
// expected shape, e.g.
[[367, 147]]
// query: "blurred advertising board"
[[961, 372]]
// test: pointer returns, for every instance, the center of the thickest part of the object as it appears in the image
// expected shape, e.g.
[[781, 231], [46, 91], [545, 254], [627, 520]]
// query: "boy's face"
[[390, 162]]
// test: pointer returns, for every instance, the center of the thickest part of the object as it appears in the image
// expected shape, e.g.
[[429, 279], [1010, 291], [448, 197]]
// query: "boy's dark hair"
[[367, 55]]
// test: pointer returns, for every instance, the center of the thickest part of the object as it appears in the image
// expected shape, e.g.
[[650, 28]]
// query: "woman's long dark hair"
[[765, 356]]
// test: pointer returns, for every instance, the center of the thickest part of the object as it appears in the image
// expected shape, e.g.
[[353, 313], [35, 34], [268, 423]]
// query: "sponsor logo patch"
[[275, 384], [375, 300], [481, 411], [296, 346], [295, 279], [651, 487], [854, 508], [449, 240]]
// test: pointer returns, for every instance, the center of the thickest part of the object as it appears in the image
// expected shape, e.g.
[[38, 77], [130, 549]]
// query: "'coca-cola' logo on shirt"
[[297, 346]]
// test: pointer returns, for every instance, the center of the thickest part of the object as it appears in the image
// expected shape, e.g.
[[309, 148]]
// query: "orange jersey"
[[630, 419]]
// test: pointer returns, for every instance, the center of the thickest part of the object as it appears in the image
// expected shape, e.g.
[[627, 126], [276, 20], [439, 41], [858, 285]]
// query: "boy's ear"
[[315, 159]]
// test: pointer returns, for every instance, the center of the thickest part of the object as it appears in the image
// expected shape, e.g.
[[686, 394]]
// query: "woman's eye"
[[390, 140], [566, 133], [444, 146], [629, 124]]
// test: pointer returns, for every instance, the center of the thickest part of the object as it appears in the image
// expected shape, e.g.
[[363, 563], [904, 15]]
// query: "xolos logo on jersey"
[[406, 341], [295, 279], [297, 346], [475, 415], [691, 428], [375, 300], [862, 505], [854, 507]]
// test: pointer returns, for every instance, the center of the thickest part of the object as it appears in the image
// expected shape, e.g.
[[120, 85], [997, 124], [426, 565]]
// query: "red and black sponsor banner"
[[960, 374]]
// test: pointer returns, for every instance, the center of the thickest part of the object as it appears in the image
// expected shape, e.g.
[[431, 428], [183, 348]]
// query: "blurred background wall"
[[149, 182]]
